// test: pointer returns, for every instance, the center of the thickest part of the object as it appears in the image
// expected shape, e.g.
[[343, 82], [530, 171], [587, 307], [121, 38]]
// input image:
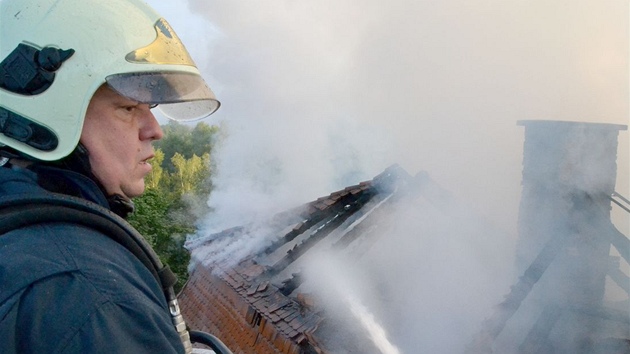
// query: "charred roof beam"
[[321, 209], [323, 231]]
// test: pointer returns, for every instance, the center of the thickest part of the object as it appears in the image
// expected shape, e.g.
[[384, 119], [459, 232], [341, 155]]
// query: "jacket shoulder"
[[71, 285]]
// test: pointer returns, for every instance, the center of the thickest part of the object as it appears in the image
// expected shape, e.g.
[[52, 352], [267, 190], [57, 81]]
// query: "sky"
[[323, 94]]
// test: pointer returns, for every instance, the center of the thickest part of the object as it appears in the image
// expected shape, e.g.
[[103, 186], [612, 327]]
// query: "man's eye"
[[130, 108]]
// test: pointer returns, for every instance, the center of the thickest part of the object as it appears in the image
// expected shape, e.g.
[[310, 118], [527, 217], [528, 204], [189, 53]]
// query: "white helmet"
[[56, 53]]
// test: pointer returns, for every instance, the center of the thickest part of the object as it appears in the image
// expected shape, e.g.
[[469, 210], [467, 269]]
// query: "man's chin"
[[134, 191]]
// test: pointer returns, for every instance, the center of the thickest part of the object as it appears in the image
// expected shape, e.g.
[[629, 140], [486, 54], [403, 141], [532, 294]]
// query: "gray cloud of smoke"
[[318, 94], [322, 94]]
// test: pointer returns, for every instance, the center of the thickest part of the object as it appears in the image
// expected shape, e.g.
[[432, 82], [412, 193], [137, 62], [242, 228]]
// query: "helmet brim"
[[180, 96]]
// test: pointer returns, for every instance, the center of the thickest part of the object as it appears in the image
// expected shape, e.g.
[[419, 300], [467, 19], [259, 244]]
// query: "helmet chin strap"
[[120, 205]]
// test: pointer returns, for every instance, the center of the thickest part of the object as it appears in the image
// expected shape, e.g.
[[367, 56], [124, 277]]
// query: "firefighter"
[[78, 82]]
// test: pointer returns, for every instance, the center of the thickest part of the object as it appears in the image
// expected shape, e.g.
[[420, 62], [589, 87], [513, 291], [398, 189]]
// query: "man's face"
[[118, 133]]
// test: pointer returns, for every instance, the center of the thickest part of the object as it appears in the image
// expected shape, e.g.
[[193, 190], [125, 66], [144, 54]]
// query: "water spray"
[[376, 331]]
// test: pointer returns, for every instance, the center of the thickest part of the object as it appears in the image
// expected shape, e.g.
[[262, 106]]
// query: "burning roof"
[[265, 301], [253, 305], [260, 301]]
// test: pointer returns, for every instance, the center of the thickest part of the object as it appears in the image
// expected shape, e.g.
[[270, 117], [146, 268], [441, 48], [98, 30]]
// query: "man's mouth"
[[146, 161]]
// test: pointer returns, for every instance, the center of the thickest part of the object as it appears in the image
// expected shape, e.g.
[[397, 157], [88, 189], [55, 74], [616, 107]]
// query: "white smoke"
[[322, 94], [316, 94]]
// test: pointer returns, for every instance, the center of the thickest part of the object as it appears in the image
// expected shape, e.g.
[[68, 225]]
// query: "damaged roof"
[[254, 305]]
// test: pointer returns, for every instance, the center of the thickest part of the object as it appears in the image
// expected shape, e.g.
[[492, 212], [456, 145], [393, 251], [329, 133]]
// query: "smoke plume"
[[322, 94]]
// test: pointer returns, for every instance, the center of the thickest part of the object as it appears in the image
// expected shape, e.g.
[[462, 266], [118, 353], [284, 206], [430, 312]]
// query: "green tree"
[[176, 191], [191, 173], [186, 141], [203, 138], [152, 181], [165, 234]]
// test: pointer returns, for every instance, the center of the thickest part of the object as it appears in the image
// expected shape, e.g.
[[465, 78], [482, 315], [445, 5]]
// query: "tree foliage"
[[152, 180], [165, 234], [191, 173], [183, 140], [176, 188]]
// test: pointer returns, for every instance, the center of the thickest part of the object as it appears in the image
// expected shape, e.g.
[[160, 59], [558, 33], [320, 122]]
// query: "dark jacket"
[[65, 288]]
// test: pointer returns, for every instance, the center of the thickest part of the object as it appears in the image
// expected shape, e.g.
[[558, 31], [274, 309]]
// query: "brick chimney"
[[569, 173]]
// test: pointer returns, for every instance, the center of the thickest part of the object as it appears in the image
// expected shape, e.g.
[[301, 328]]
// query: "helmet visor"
[[181, 96]]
